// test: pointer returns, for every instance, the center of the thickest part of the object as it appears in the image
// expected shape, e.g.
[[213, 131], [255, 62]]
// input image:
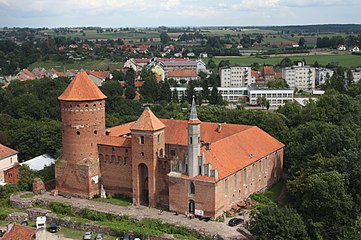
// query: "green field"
[[345, 60], [82, 64]]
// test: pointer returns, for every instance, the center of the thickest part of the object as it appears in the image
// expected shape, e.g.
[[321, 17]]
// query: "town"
[[180, 133]]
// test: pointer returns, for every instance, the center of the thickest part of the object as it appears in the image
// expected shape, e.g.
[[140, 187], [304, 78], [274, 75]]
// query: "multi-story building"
[[323, 75], [249, 94], [190, 166], [300, 77], [356, 73], [235, 76]]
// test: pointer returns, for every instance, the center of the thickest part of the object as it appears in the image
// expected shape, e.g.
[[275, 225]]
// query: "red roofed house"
[[268, 73], [9, 165], [180, 165], [136, 63], [19, 232], [182, 74]]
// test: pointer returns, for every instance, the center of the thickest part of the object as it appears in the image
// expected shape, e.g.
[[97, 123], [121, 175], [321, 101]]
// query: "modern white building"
[[300, 77], [322, 75], [356, 72], [236, 76], [250, 94]]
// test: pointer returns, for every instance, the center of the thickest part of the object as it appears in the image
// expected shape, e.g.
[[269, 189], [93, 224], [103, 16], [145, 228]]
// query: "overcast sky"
[[150, 13]]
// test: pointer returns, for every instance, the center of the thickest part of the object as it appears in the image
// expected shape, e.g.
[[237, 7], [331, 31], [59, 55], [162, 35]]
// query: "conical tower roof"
[[82, 88], [193, 118], [147, 122]]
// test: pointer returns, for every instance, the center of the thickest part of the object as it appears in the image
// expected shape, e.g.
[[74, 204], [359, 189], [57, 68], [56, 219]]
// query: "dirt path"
[[139, 212]]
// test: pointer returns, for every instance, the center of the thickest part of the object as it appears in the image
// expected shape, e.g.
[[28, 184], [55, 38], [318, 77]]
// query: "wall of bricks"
[[11, 175], [83, 123], [147, 154], [116, 169], [180, 195]]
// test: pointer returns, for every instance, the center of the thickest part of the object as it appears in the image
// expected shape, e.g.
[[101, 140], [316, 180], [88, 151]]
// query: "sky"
[[153, 13]]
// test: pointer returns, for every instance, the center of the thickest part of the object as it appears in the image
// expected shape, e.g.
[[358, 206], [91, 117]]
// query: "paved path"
[[139, 212]]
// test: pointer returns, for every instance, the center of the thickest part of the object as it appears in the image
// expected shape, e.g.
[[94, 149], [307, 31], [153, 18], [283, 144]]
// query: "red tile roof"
[[19, 232], [147, 122], [230, 148], [173, 72], [115, 141], [81, 88], [235, 152], [99, 74], [6, 151], [141, 60], [268, 70]]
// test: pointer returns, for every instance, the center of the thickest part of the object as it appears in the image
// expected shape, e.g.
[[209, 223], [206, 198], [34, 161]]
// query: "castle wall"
[[116, 169]]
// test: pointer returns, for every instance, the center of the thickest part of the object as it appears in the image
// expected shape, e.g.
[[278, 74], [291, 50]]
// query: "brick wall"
[[116, 169], [11, 175]]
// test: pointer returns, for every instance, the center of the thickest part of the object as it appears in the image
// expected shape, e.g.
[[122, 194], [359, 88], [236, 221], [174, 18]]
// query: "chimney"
[[219, 128]]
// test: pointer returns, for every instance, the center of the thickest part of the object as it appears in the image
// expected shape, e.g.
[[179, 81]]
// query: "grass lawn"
[[115, 201], [345, 60], [83, 64], [274, 192], [27, 195]]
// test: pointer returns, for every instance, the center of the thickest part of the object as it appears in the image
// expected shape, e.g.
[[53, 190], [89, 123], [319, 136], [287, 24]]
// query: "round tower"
[[83, 123]]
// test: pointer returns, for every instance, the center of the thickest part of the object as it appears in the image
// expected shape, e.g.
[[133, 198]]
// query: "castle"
[[180, 165]]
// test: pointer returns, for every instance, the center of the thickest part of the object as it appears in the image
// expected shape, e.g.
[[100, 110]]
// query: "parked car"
[[235, 221], [99, 236], [54, 227], [24, 223], [87, 235]]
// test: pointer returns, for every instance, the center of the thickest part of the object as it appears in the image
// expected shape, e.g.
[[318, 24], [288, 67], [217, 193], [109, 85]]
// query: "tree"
[[175, 96], [286, 62], [302, 42], [112, 88], [130, 77], [165, 92], [278, 223], [164, 38], [130, 92], [277, 83], [150, 89]]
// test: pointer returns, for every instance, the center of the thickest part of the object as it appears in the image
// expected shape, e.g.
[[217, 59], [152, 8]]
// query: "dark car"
[[235, 221], [54, 227], [24, 223]]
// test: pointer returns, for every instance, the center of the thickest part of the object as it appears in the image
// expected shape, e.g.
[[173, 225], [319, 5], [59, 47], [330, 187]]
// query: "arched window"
[[119, 159], [192, 189], [106, 158], [161, 152], [101, 157], [113, 159]]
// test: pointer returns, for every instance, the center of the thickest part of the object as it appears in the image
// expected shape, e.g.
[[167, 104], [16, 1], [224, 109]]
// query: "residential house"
[[98, 77], [9, 165], [355, 49], [341, 47]]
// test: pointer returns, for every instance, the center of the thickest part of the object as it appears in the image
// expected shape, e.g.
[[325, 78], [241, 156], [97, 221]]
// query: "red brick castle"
[[183, 166]]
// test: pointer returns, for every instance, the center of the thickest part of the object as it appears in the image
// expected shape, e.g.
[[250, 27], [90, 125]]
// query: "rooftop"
[[6, 151], [81, 88]]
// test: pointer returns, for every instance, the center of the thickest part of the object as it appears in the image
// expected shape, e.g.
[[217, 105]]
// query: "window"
[[226, 187], [101, 157], [141, 140], [113, 149], [113, 159], [106, 158], [119, 159], [78, 133], [172, 152], [200, 170], [158, 137], [235, 182], [95, 132], [191, 140], [126, 151], [142, 154], [192, 189]]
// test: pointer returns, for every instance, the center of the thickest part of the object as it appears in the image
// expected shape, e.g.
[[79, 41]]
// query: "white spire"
[[193, 115]]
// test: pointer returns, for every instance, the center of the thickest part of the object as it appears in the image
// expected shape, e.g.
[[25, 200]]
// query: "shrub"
[[62, 208]]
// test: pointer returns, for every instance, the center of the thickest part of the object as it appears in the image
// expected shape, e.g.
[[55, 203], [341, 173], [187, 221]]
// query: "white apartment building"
[[322, 74], [356, 74], [276, 97], [236, 76], [300, 77]]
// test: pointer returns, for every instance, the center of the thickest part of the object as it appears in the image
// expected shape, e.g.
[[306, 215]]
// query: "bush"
[[62, 208]]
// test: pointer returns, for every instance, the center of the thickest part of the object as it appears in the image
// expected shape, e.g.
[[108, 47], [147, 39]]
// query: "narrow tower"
[[148, 143], [194, 145], [83, 122]]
